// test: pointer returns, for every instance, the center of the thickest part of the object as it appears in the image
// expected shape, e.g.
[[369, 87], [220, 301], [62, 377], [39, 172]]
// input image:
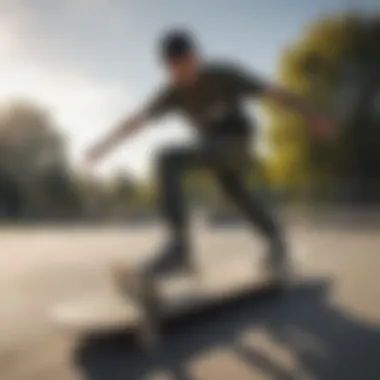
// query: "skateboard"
[[141, 305]]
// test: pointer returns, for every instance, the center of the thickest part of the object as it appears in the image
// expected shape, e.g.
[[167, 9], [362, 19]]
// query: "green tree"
[[336, 64], [33, 160], [123, 193]]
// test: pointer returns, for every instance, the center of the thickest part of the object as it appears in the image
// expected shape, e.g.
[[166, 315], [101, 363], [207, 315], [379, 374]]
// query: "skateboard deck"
[[176, 296]]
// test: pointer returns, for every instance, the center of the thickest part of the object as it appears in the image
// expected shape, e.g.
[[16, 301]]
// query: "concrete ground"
[[327, 330]]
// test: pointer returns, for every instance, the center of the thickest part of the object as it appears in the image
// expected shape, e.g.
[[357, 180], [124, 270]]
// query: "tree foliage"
[[33, 162], [335, 64]]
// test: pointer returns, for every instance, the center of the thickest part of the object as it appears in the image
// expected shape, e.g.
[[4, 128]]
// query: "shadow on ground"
[[328, 344]]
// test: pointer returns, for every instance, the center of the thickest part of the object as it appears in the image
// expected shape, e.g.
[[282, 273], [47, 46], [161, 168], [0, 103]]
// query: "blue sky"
[[91, 61]]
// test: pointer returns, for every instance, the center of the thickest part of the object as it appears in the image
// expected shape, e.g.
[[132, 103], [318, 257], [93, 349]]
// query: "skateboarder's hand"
[[323, 127], [94, 155]]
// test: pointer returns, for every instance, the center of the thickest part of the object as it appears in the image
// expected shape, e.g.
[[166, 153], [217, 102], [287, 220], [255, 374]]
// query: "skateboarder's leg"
[[232, 182], [172, 165]]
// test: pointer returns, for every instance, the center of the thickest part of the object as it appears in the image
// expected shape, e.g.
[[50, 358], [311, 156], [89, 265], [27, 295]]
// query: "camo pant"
[[226, 159]]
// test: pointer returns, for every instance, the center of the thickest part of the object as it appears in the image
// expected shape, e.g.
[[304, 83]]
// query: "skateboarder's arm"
[[320, 122], [252, 85], [289, 100], [119, 133], [160, 104]]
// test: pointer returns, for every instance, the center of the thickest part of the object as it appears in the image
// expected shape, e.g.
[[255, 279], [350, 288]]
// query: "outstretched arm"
[[123, 130], [321, 123], [289, 100], [162, 102]]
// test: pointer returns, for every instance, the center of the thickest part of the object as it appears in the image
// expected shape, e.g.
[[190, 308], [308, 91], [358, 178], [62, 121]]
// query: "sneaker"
[[174, 258]]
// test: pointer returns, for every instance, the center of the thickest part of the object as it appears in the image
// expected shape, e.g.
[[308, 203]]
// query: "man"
[[210, 96]]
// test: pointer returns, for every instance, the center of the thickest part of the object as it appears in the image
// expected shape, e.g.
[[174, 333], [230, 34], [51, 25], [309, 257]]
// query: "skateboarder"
[[210, 96]]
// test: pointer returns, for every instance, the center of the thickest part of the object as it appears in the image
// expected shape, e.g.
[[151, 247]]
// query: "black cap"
[[175, 44]]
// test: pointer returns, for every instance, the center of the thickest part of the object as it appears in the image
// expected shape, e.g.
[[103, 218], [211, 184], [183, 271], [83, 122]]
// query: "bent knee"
[[170, 160]]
